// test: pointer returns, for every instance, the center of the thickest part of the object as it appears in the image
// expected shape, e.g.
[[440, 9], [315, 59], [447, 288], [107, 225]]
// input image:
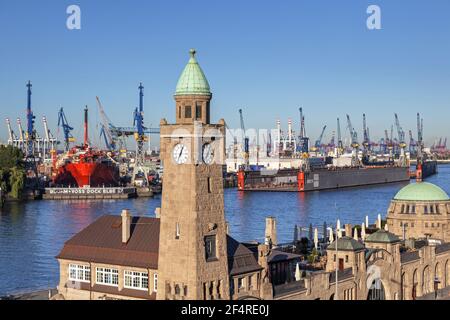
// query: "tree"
[[12, 171]]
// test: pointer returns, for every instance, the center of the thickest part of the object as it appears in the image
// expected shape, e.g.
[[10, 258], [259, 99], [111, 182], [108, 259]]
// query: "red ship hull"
[[94, 174]]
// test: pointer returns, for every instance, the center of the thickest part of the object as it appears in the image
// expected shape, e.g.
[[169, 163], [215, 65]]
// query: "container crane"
[[401, 141], [62, 122], [354, 144], [412, 144], [245, 141]]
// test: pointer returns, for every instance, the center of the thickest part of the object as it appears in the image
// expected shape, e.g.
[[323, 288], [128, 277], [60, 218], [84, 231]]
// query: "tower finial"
[[192, 52]]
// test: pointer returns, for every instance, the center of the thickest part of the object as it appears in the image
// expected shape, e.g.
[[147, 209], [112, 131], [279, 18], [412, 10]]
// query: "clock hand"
[[179, 156]]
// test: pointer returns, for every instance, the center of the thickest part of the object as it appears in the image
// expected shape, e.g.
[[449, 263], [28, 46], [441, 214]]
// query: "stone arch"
[[404, 286], [447, 273], [377, 291], [414, 285], [439, 276], [427, 280]]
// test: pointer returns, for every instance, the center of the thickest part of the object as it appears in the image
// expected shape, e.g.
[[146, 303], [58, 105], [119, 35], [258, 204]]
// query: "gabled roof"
[[346, 244], [101, 242], [382, 236]]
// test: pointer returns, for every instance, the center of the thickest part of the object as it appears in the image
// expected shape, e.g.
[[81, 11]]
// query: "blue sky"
[[267, 57]]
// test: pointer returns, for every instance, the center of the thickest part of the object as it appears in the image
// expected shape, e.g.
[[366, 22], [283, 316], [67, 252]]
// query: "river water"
[[33, 233]]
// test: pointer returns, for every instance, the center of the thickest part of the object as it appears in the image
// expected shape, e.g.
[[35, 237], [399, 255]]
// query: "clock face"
[[180, 154], [208, 153]]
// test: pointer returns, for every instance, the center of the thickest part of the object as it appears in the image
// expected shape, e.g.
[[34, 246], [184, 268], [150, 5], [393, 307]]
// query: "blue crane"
[[31, 133], [62, 122]]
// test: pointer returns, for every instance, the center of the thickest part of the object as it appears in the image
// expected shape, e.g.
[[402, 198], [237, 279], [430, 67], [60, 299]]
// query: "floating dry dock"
[[89, 193]]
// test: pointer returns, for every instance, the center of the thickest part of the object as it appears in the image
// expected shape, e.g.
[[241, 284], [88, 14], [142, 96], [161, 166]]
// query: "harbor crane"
[[105, 131], [354, 144], [412, 144], [49, 141], [22, 139], [401, 141], [31, 132], [12, 138], [66, 128], [366, 141], [318, 142], [420, 146], [245, 141], [303, 140], [340, 146]]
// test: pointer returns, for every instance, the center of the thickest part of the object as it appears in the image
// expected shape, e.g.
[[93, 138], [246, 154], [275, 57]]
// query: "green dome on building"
[[192, 81], [422, 191]]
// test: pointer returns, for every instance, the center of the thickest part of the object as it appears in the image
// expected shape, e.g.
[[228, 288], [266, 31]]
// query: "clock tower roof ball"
[[192, 80]]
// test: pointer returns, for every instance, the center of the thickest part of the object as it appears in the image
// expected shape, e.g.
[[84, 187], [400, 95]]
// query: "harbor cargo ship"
[[85, 167], [297, 180], [426, 168]]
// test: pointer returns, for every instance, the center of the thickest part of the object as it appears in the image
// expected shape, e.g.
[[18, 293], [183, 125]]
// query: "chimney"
[[126, 226], [271, 230], [348, 230]]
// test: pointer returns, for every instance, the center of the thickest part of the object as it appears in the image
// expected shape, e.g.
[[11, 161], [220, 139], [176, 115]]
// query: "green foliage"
[[10, 157], [313, 256], [12, 172]]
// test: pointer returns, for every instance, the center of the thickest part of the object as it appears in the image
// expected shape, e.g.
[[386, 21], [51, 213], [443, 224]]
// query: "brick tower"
[[192, 262]]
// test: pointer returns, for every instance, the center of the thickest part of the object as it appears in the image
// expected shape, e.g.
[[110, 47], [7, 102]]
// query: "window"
[[187, 112], [403, 208], [79, 273], [177, 231], [155, 282], [407, 209], [425, 209], [136, 280], [250, 282], [432, 209], [210, 248], [241, 283], [108, 276], [437, 210], [177, 290], [334, 258], [209, 185], [198, 111], [179, 112], [413, 209], [346, 259]]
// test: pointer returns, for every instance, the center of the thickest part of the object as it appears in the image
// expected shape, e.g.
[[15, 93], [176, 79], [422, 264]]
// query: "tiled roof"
[[101, 242], [409, 256], [346, 244], [192, 79], [382, 236], [240, 258], [277, 256], [443, 248]]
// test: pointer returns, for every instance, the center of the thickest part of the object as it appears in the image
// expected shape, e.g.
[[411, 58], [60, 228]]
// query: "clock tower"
[[193, 262]]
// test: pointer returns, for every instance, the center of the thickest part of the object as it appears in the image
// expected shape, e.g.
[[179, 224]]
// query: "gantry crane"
[[62, 122], [31, 132]]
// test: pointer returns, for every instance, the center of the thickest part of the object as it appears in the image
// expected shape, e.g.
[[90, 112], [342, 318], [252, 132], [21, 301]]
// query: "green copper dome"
[[192, 80], [422, 191]]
